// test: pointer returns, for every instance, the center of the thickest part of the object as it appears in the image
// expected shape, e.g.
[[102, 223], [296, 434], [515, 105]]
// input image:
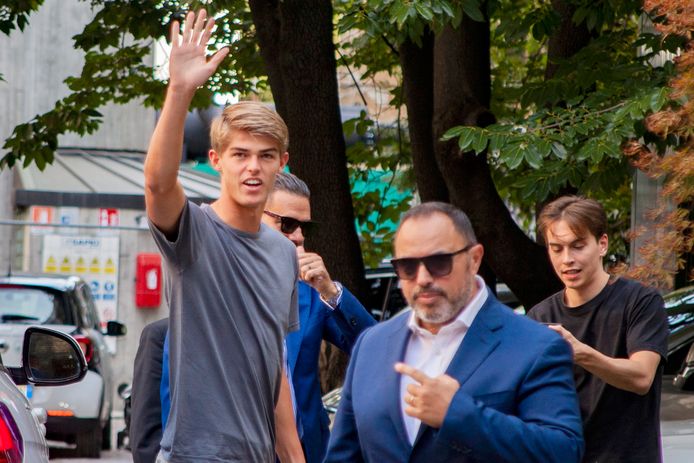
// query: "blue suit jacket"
[[516, 402], [340, 327]]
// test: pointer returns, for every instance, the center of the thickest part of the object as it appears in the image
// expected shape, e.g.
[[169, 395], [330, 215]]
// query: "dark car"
[[679, 306], [78, 413]]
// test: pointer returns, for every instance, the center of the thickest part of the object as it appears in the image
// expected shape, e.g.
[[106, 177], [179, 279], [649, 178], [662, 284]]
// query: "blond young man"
[[617, 330], [231, 280]]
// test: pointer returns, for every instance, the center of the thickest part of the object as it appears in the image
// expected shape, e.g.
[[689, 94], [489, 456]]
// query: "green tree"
[[508, 101]]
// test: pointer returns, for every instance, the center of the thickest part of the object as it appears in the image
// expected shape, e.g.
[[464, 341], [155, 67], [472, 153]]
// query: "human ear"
[[213, 156], [603, 243], [284, 158]]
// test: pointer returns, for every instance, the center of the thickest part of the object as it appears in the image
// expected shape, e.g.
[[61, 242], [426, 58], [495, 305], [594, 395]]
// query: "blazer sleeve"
[[344, 442], [345, 323], [547, 427], [145, 417]]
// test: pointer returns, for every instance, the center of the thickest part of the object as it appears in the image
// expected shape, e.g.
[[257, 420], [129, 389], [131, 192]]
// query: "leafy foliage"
[[382, 191], [14, 14], [116, 46], [553, 135], [565, 133], [674, 233]]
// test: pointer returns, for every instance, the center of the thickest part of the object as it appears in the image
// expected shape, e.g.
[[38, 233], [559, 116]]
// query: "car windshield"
[[19, 304]]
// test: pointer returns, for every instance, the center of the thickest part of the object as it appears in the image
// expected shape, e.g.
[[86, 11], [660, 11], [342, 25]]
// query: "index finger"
[[412, 372], [300, 251]]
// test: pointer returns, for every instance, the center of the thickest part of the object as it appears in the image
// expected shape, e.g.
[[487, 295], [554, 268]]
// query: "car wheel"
[[106, 435], [89, 443]]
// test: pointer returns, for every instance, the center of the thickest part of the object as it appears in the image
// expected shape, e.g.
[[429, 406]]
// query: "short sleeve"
[[180, 253], [647, 327]]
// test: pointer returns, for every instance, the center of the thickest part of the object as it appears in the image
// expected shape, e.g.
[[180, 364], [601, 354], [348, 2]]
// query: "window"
[[31, 305]]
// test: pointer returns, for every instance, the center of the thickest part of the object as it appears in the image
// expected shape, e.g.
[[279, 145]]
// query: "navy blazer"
[[318, 322], [516, 403]]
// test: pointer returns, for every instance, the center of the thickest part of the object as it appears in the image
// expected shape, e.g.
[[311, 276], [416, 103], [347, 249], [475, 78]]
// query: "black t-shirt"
[[624, 318]]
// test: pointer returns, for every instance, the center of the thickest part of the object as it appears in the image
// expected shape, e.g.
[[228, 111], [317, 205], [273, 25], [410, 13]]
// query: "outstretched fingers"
[[218, 57], [198, 28], [207, 33], [188, 26]]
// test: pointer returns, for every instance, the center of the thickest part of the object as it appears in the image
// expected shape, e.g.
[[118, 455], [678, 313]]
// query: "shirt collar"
[[466, 316]]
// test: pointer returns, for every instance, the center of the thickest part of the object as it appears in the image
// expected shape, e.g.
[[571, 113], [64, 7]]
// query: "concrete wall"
[[35, 63]]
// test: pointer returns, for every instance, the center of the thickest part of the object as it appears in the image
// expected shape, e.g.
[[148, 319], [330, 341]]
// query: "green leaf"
[[559, 150], [472, 9], [532, 156], [480, 142], [467, 136], [513, 157], [455, 132], [659, 99], [447, 9], [400, 12], [544, 148], [92, 112], [424, 11]]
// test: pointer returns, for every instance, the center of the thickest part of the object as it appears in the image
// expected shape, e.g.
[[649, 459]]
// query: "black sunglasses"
[[438, 265], [288, 225]]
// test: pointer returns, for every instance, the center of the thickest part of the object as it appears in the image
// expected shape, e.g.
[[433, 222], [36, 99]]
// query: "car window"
[[31, 305]]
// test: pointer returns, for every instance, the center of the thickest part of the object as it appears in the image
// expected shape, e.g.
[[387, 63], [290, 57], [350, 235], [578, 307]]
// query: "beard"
[[445, 308]]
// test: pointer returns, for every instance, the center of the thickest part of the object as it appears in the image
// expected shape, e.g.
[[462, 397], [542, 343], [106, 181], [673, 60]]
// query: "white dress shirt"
[[432, 353]]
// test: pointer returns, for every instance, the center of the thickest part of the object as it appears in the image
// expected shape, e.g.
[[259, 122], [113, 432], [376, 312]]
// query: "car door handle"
[[3, 346]]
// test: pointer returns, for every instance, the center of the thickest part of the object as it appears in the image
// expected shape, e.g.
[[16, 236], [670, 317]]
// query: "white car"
[[49, 358], [77, 413]]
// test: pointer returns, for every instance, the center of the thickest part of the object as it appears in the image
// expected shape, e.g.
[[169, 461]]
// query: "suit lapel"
[[398, 343], [479, 341], [294, 339]]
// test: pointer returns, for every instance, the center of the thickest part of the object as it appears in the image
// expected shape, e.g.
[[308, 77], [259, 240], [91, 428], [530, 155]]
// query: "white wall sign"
[[95, 259]]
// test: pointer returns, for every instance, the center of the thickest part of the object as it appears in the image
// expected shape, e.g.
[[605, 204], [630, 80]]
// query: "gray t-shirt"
[[232, 299]]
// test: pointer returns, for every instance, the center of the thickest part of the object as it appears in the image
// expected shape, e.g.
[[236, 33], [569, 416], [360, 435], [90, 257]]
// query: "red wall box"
[[148, 280]]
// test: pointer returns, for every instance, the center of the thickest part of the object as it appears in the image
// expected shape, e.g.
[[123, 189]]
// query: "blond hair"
[[252, 117]]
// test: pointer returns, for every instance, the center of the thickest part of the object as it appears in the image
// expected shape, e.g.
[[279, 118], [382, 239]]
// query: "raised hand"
[[189, 66], [312, 271]]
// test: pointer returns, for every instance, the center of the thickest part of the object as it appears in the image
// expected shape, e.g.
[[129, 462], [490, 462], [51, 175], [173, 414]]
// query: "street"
[[676, 414], [61, 455], [114, 456]]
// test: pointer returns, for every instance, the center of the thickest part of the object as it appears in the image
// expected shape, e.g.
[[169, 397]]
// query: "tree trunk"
[[267, 26], [418, 81], [462, 86], [305, 81], [567, 40]]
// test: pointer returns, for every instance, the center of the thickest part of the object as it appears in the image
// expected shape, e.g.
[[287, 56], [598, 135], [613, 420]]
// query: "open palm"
[[189, 66]]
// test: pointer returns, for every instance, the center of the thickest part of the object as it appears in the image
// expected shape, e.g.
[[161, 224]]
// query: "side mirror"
[[50, 358], [114, 328]]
